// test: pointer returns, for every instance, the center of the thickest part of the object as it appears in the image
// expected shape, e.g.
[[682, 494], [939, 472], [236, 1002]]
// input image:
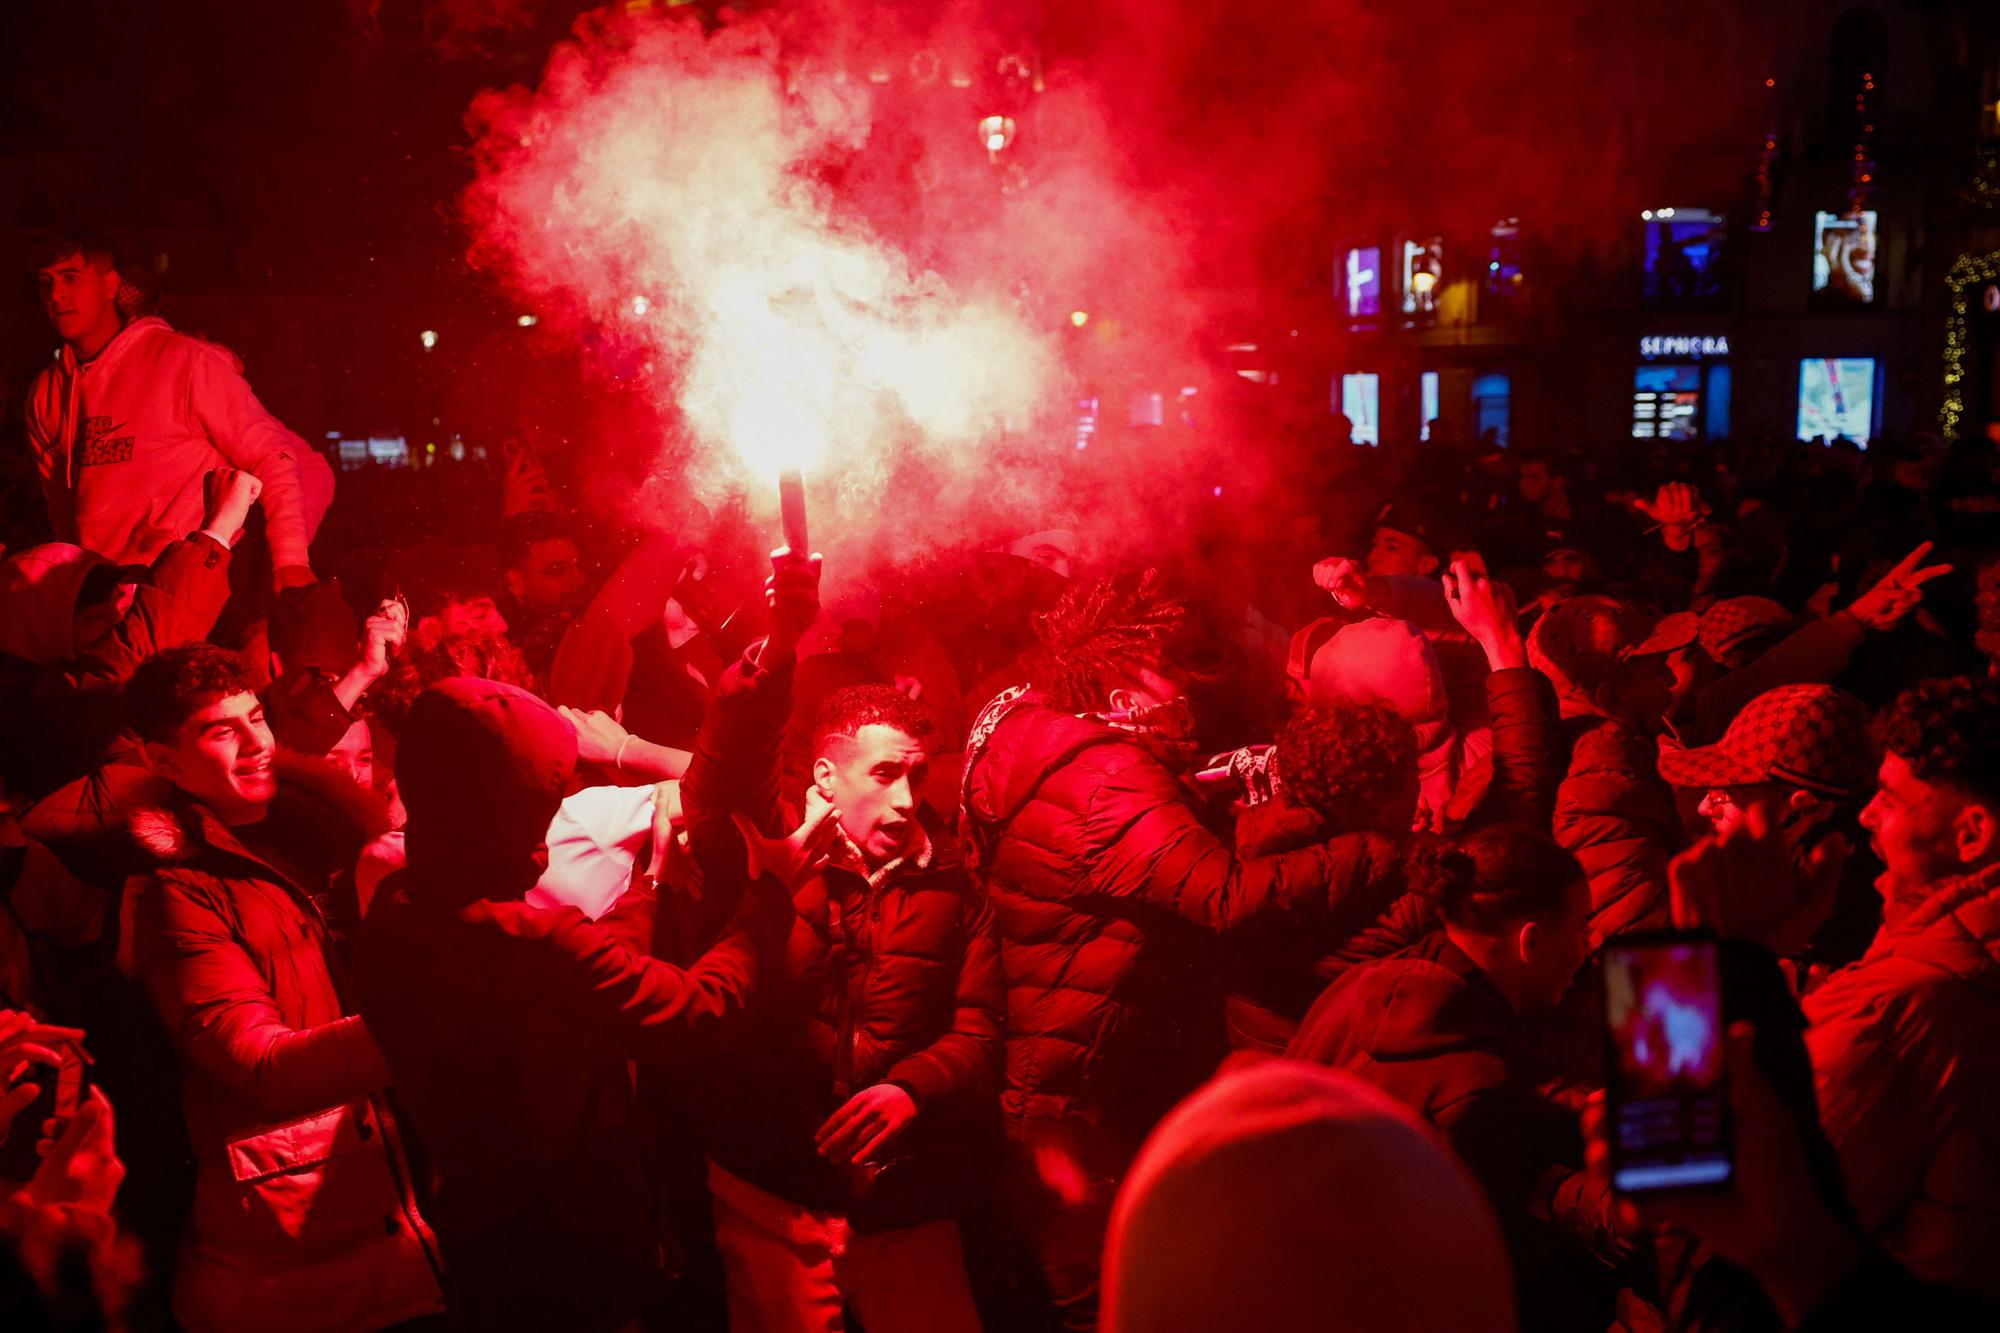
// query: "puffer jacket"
[[1906, 1051], [891, 977], [303, 1217], [1616, 815], [1110, 893]]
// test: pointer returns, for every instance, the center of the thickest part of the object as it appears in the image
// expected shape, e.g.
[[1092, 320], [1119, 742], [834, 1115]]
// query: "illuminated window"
[[1492, 407], [1363, 283], [1423, 274], [1684, 257], [1503, 261], [1428, 399]]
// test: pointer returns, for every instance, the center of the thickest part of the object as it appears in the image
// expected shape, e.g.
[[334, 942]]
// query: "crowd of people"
[[514, 921]]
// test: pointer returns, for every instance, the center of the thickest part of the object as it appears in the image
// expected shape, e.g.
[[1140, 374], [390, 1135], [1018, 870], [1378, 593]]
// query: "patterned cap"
[[1673, 633], [1811, 736], [1738, 630], [1581, 640]]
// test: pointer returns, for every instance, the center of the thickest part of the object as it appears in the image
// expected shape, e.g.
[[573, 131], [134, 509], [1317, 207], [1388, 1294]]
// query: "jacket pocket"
[[296, 1144]]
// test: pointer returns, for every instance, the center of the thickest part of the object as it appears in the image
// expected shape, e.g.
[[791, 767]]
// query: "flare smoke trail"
[[677, 188]]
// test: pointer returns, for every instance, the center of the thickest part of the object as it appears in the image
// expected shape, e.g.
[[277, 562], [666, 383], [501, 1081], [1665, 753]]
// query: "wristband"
[[618, 760]]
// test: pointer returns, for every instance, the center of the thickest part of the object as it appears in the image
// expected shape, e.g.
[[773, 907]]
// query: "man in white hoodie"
[[133, 415]]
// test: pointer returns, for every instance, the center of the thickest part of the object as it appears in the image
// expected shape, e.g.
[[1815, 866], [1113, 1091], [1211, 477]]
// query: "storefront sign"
[[1690, 347]]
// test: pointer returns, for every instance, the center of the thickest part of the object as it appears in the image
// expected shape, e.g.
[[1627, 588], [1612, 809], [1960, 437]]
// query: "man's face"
[[1569, 567], [1725, 807], [550, 578], [222, 757], [473, 615], [79, 298], [1561, 944], [874, 778], [1642, 690], [1534, 483], [1914, 827], [1393, 553], [1684, 665], [354, 753]]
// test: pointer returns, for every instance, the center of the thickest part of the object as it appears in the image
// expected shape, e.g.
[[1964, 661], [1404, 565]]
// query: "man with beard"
[[1111, 893], [545, 583]]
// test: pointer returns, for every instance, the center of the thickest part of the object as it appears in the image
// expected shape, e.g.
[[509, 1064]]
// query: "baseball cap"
[[1811, 736], [1673, 633], [1581, 641], [1738, 630]]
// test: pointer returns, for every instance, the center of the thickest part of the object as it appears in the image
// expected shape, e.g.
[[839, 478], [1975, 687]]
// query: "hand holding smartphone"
[[1666, 1096]]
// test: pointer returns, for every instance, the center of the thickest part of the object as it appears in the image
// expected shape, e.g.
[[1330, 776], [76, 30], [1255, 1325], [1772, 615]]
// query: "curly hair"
[[849, 709], [1490, 879], [174, 684], [1947, 731], [426, 660], [1099, 635], [1347, 761]]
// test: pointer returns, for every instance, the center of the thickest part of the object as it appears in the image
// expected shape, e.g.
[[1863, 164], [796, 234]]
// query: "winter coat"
[[58, 719], [1428, 1028], [1616, 815], [303, 1214], [509, 1028], [1277, 972], [1110, 893], [122, 442], [891, 976], [1906, 1050]]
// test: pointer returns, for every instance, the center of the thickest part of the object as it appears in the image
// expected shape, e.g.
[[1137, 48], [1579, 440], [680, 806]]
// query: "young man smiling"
[[133, 415], [303, 1216], [1906, 1042]]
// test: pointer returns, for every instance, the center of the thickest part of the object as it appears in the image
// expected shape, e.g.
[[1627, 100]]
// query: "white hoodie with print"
[[123, 441]]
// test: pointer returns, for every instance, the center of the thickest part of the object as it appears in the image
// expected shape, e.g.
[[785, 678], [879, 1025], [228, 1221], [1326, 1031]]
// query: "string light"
[[1764, 161], [1966, 272], [1864, 161]]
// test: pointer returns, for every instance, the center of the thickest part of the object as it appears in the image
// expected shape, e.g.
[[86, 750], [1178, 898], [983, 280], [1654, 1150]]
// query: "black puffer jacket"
[[1110, 892], [890, 977]]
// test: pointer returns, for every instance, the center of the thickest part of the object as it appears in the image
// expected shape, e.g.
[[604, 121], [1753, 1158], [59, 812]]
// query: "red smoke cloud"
[[832, 261]]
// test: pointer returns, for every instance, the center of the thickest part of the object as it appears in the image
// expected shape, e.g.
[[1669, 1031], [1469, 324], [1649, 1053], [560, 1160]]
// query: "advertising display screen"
[[1684, 257], [1364, 281], [1837, 397], [1361, 401], [1844, 258]]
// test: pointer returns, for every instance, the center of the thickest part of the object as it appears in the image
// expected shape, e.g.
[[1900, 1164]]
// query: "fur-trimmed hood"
[[318, 803]]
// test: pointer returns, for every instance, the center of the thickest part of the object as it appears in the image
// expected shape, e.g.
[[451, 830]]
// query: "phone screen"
[[1664, 1095]]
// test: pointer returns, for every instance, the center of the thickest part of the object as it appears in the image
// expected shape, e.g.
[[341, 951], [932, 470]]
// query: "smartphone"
[[1666, 1100], [58, 1064]]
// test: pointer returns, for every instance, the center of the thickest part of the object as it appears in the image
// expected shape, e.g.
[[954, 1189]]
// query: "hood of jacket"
[[1010, 756], [319, 806], [1429, 1001], [39, 587], [482, 767], [69, 372], [1955, 930]]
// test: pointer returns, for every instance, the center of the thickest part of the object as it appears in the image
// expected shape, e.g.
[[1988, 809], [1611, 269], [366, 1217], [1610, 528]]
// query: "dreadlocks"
[[1098, 636]]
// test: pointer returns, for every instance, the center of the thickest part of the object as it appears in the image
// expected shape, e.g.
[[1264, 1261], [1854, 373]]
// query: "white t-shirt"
[[594, 840]]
